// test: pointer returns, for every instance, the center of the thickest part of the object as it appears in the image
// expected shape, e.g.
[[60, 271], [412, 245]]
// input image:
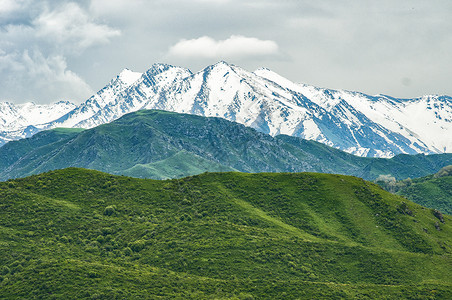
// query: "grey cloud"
[[35, 41], [36, 77], [72, 27]]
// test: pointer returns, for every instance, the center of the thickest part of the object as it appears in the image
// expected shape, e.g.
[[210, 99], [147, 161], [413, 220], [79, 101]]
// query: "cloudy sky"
[[63, 50]]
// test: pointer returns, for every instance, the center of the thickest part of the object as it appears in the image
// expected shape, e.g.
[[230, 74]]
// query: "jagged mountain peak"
[[221, 67], [158, 68], [128, 76], [64, 102], [221, 63], [161, 73]]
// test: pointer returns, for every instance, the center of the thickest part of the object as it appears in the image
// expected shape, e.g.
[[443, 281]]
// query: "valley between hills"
[[162, 145]]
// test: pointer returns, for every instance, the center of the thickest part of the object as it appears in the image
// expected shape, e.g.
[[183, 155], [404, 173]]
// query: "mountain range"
[[20, 120], [159, 144], [364, 125]]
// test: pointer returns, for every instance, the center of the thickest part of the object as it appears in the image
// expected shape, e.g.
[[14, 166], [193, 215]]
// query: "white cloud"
[[340, 46], [236, 46], [72, 26], [121, 7], [34, 77]]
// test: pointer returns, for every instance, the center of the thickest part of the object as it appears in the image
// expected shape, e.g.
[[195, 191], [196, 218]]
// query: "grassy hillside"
[[78, 233], [176, 166], [430, 191], [408, 166], [433, 191], [158, 144]]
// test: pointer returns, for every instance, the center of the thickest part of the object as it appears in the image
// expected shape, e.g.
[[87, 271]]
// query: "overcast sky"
[[63, 50]]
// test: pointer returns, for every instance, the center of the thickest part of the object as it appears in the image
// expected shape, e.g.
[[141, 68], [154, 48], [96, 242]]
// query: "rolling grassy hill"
[[78, 233], [158, 144], [176, 166]]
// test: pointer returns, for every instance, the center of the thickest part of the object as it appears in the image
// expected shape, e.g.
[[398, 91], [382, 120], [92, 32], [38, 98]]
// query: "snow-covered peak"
[[159, 68], [219, 67], [221, 64], [128, 77], [278, 79], [15, 117]]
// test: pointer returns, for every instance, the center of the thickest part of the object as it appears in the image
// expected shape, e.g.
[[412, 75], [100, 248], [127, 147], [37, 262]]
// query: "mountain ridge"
[[186, 144], [374, 126]]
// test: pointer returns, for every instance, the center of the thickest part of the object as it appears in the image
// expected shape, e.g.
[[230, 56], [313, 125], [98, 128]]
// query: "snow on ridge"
[[129, 77], [23, 120], [280, 80], [15, 117]]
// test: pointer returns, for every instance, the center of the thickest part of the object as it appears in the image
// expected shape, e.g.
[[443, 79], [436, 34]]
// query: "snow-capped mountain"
[[364, 125], [20, 120]]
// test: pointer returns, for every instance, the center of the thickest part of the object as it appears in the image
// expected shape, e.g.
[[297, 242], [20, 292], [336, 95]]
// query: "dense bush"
[[446, 171]]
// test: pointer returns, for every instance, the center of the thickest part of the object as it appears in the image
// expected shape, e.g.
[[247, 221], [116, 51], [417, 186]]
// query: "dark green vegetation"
[[434, 191], [78, 233], [160, 145], [38, 145]]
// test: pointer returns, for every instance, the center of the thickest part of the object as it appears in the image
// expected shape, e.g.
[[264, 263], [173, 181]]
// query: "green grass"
[[179, 165], [62, 130], [78, 233]]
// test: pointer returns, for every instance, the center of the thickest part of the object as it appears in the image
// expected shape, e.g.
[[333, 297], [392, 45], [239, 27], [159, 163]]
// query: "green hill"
[[176, 166], [77, 233], [158, 144], [433, 192], [38, 145]]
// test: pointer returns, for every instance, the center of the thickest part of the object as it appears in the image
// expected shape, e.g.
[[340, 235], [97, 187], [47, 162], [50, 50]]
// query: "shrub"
[[438, 215], [5, 270], [127, 251], [93, 274], [446, 171], [137, 246], [110, 210]]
